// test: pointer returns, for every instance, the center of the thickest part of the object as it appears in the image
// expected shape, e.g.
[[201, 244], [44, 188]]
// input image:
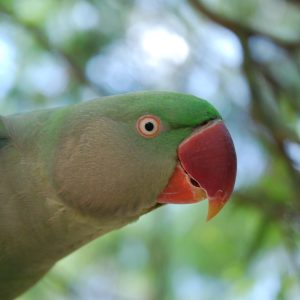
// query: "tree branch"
[[239, 28], [273, 123], [275, 210], [42, 40]]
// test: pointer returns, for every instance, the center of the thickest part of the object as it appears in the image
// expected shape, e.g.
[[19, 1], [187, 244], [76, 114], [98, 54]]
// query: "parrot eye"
[[148, 126]]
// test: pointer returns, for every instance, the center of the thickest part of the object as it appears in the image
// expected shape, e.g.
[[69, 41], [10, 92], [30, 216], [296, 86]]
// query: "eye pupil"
[[149, 126]]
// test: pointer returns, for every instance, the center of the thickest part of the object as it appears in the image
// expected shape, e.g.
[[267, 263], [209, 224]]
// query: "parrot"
[[74, 173]]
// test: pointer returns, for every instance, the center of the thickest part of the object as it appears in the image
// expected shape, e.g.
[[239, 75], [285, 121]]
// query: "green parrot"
[[71, 174]]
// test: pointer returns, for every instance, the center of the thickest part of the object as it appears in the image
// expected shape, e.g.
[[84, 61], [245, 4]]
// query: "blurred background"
[[242, 56]]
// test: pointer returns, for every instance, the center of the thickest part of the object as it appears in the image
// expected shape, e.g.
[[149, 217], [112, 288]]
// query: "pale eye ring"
[[148, 126]]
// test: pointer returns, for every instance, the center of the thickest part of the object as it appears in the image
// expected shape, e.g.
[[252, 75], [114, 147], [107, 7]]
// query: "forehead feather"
[[179, 110]]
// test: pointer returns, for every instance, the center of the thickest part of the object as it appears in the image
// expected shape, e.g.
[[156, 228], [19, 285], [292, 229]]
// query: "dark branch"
[[43, 41], [239, 28]]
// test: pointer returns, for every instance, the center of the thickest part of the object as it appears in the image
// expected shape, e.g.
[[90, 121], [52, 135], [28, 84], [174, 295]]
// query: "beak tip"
[[214, 207]]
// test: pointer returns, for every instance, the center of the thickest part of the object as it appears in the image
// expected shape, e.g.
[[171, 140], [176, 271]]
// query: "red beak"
[[206, 169]]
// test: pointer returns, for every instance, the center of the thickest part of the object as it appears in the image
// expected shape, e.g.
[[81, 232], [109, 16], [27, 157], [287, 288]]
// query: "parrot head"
[[72, 174], [122, 156]]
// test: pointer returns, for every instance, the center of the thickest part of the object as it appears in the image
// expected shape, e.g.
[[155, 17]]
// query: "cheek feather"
[[105, 172]]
